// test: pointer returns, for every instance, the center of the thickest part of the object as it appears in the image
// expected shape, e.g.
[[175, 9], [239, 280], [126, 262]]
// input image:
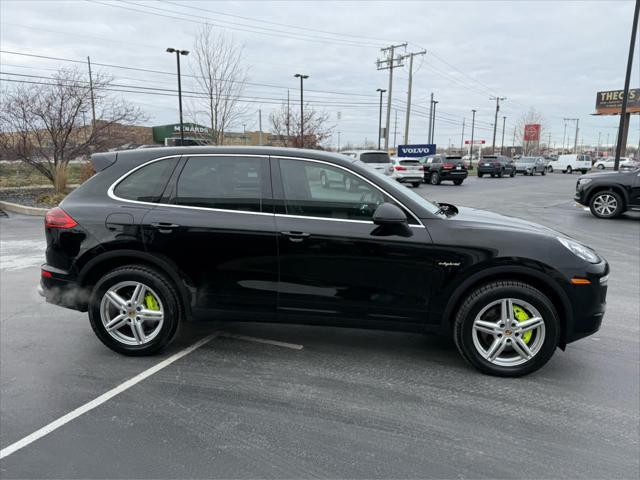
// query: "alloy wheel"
[[132, 313], [605, 205], [508, 332]]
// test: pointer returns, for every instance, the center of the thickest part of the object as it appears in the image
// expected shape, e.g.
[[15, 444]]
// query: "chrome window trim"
[[357, 175], [113, 196]]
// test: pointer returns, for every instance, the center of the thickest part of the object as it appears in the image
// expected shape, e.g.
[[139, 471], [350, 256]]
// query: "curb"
[[24, 210]]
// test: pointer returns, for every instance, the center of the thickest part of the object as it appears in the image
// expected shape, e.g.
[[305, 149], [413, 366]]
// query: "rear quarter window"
[[375, 157], [147, 183]]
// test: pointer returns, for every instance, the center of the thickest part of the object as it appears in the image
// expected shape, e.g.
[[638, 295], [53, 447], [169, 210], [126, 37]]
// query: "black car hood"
[[475, 218], [611, 175]]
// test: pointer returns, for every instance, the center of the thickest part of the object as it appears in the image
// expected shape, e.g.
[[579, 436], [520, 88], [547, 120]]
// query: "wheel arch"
[[105, 262], [615, 188], [541, 281]]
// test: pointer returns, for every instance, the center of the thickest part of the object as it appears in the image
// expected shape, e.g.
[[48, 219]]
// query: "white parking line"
[[47, 429], [293, 346]]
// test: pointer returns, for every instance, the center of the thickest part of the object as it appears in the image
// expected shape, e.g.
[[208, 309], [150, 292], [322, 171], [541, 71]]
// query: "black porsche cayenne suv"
[[161, 236]]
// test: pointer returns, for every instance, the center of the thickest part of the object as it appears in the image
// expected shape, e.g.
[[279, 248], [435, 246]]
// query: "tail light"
[[400, 168], [447, 165], [58, 218]]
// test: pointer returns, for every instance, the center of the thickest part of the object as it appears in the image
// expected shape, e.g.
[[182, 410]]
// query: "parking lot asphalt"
[[350, 403]]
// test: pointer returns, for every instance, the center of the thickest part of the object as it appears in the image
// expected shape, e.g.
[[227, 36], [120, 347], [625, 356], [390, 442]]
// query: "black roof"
[[103, 160]]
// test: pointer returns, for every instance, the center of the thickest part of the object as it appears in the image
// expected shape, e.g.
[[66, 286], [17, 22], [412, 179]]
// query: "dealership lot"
[[348, 403]]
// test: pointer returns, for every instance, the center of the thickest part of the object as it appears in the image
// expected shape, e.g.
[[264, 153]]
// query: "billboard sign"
[[532, 132], [475, 142], [172, 130], [417, 150], [610, 102]]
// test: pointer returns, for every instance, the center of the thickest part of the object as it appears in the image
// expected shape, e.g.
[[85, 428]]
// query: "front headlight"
[[584, 181], [579, 250]]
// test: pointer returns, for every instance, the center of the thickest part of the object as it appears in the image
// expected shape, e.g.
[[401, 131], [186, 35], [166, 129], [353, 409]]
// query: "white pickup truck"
[[571, 163]]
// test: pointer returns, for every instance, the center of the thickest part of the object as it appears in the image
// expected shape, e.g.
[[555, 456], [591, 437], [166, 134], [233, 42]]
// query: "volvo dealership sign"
[[417, 150]]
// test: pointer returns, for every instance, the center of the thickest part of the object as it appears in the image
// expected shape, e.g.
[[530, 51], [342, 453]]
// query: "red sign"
[[532, 132], [475, 142]]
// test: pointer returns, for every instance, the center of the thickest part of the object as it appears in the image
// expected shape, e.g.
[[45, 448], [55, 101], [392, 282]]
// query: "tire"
[[493, 175], [324, 181], [416, 184], [457, 182], [164, 299], [485, 303], [600, 167], [480, 175], [569, 169], [584, 171], [435, 179], [513, 173], [543, 172], [550, 169], [501, 174], [606, 204]]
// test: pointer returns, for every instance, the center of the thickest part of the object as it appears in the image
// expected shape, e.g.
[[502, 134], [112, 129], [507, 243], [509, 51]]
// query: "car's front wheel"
[[606, 204], [134, 310], [507, 329]]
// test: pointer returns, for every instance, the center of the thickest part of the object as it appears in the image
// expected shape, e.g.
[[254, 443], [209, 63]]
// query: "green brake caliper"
[[521, 316], [152, 303]]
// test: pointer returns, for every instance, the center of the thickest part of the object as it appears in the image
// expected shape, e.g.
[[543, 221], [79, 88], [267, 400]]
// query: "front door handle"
[[296, 237], [164, 227]]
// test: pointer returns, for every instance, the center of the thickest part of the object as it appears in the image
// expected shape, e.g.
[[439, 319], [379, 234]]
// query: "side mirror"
[[389, 214]]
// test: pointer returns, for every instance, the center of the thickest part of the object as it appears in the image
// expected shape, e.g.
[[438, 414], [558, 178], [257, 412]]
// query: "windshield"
[[392, 186], [375, 157]]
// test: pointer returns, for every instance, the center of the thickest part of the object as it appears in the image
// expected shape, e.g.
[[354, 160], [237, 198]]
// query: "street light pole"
[[380, 116], [301, 77], [433, 123], [178, 53]]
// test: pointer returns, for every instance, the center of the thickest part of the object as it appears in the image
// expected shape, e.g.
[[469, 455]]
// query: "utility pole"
[[549, 142], [93, 101], [260, 126], [625, 118], [564, 134], [575, 141], [433, 124], [430, 119], [504, 121], [495, 122], [390, 63], [380, 116], [513, 144], [473, 127], [244, 133], [462, 138], [302, 78], [338, 141], [598, 147], [395, 131], [406, 122]]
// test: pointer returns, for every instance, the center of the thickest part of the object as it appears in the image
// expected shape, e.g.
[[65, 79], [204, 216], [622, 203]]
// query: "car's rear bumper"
[[453, 174], [59, 287], [409, 179], [489, 170]]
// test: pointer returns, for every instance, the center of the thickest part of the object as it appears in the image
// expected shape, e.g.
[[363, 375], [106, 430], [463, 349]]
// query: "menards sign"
[[610, 102]]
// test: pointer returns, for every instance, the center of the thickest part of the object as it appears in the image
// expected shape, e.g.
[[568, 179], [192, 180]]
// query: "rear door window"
[[148, 182], [228, 183]]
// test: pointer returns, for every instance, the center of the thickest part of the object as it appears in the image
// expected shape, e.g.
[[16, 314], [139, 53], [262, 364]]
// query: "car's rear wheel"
[[600, 167], [501, 173], [134, 310], [606, 204], [415, 184], [584, 171], [569, 169], [550, 169], [513, 173], [480, 175], [543, 172], [457, 182], [507, 329], [435, 178]]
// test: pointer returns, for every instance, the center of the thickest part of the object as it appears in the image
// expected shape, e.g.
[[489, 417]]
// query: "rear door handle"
[[164, 227], [296, 237]]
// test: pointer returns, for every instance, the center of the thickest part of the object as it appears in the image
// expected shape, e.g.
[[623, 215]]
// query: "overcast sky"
[[552, 56]]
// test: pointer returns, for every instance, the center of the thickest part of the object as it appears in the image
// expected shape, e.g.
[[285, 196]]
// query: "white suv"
[[376, 159], [608, 162], [407, 170]]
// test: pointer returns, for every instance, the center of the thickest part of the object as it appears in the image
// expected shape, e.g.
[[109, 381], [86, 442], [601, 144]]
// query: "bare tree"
[[44, 124], [221, 77], [531, 117], [285, 124]]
